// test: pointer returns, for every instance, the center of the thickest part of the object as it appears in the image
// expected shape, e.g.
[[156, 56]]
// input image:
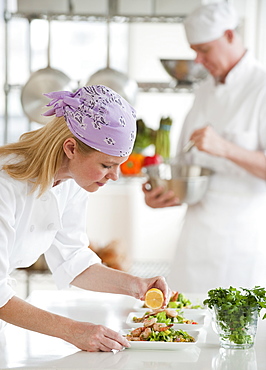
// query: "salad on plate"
[[167, 316], [190, 320], [177, 301], [158, 332]]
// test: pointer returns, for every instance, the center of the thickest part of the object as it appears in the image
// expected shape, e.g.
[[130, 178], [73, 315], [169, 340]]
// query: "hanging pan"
[[42, 81], [114, 79]]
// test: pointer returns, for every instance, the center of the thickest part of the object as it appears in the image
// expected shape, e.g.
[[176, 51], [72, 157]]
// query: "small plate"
[[163, 345], [199, 318]]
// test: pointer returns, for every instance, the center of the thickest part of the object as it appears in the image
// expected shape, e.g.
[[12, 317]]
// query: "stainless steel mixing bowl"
[[189, 183], [185, 71]]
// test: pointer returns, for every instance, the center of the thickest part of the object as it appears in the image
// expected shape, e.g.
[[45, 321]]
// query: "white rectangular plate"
[[138, 306], [174, 346], [196, 316]]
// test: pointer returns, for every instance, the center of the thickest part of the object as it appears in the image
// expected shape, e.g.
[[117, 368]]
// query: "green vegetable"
[[145, 136], [170, 335], [162, 141], [174, 305], [180, 305], [234, 310], [161, 317], [197, 306], [180, 301], [184, 300], [179, 319]]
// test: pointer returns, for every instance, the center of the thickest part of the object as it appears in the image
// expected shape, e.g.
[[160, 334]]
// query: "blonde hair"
[[40, 154]]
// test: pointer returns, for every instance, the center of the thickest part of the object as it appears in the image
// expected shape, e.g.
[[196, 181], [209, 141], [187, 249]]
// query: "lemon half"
[[154, 298]]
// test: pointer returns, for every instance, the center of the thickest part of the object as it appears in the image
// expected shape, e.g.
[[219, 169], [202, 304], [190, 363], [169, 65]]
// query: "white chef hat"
[[209, 22]]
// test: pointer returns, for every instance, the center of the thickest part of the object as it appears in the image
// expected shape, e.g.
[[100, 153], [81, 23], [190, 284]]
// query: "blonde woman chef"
[[45, 178]]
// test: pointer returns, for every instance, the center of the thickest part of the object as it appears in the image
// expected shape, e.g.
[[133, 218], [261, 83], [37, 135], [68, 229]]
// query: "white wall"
[[118, 212]]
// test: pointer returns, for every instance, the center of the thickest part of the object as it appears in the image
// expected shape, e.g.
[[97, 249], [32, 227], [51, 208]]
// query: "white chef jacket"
[[54, 224], [223, 240]]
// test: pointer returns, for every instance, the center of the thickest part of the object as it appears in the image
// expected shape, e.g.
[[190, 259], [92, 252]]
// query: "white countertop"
[[20, 348]]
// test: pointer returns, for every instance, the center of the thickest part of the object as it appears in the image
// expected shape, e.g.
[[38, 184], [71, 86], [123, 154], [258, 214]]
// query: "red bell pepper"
[[151, 160]]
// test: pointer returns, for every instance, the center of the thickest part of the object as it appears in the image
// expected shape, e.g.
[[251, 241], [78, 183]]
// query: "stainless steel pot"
[[184, 71], [114, 79], [42, 81], [189, 183]]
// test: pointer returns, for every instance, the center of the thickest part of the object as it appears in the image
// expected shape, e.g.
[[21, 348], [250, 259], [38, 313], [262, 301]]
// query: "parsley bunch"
[[234, 310]]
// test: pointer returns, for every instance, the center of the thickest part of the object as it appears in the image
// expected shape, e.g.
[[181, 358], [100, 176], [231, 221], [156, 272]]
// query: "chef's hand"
[[207, 140], [154, 282], [158, 197], [94, 338]]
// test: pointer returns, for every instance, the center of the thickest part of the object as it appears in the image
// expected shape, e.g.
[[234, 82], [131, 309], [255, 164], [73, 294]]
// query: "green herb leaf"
[[234, 310]]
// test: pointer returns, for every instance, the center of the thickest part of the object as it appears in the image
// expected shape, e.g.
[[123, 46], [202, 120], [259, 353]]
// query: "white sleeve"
[[262, 121], [7, 238], [69, 255]]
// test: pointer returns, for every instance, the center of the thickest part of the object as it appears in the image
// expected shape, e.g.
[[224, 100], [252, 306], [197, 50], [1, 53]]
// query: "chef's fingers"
[[146, 186], [209, 141], [115, 340], [159, 198], [201, 131], [202, 134], [167, 199], [90, 337], [104, 348], [111, 344], [108, 348], [147, 189], [157, 193], [167, 295], [160, 283]]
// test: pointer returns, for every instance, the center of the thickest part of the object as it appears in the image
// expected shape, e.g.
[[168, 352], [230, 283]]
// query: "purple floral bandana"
[[97, 116]]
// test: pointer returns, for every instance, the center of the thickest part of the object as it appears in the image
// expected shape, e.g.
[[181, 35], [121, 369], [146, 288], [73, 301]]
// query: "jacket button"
[[32, 228], [50, 226]]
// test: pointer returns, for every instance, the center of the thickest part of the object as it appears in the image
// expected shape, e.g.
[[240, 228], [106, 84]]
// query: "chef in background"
[[45, 179], [223, 240]]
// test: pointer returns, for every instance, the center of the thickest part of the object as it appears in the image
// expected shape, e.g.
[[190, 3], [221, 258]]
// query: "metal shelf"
[[111, 15], [165, 87], [118, 18], [146, 87]]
